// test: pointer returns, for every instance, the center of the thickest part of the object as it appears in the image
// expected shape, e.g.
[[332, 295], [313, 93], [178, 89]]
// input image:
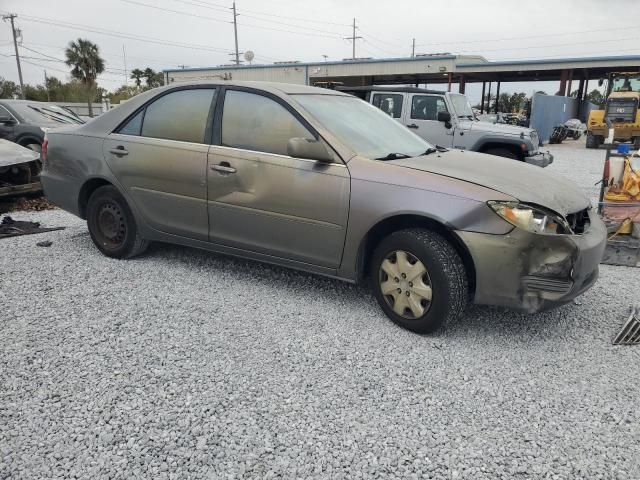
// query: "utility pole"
[[235, 32], [413, 48], [11, 18], [124, 60], [46, 85], [353, 39]]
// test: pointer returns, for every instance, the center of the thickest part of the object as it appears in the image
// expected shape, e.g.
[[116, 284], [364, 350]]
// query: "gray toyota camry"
[[321, 181]]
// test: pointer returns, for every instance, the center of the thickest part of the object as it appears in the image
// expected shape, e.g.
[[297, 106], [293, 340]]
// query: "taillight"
[[45, 147]]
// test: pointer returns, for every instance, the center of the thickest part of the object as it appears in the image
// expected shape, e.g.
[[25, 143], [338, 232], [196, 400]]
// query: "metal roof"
[[315, 64], [389, 89], [620, 58]]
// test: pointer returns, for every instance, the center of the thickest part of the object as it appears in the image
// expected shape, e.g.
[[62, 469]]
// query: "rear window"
[[44, 114]]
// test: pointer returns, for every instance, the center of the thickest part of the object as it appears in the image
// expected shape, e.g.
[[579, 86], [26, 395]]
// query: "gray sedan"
[[321, 181]]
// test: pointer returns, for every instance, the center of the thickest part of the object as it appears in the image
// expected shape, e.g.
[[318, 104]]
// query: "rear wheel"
[[112, 225], [636, 143], [419, 280], [502, 152]]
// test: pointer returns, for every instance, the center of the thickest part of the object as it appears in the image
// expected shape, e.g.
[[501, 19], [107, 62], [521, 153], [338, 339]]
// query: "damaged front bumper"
[[540, 159], [533, 272], [19, 169]]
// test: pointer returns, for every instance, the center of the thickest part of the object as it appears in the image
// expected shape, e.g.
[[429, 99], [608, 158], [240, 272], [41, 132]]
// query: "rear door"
[[7, 130], [263, 200], [160, 157], [422, 117]]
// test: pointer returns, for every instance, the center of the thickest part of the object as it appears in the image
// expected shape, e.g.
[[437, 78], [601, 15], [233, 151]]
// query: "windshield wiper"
[[394, 156], [437, 148]]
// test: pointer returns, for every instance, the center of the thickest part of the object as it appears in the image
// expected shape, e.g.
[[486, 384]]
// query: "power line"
[[101, 31], [635, 27], [219, 6], [353, 39]]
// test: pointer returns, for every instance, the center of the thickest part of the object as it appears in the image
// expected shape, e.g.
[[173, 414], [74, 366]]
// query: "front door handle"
[[119, 151], [223, 167], [413, 125]]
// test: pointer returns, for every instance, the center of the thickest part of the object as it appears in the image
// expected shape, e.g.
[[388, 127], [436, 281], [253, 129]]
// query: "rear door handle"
[[413, 125], [223, 167], [119, 151]]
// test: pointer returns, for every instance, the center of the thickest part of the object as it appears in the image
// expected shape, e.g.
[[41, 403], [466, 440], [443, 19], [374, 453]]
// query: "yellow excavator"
[[620, 111]]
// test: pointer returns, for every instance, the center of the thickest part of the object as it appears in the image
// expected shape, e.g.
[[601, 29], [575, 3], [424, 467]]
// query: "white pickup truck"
[[446, 119]]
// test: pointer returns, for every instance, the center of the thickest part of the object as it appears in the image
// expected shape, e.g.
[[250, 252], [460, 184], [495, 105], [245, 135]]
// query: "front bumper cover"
[[540, 159], [532, 272]]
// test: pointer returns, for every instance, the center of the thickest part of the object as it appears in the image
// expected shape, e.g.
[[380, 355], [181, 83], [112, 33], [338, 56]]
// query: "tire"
[[444, 280], [592, 140], [112, 225], [502, 152], [636, 143]]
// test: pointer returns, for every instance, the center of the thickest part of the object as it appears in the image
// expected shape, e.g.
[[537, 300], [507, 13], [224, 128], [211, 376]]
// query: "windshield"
[[44, 114], [626, 83], [363, 128], [461, 106]]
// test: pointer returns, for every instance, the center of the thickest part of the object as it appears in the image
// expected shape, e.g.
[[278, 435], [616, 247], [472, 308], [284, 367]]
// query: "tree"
[[153, 79], [8, 89], [84, 58], [137, 75], [594, 96], [124, 92]]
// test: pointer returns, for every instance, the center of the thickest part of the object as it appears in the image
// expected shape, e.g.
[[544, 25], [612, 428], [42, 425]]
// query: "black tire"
[[112, 225], [592, 140], [445, 273], [636, 143], [503, 152]]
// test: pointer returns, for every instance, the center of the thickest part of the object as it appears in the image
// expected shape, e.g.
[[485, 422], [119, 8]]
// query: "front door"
[[160, 158], [261, 199], [421, 116]]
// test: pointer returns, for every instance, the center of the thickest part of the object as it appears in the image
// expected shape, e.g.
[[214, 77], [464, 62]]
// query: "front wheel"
[[112, 225], [419, 280], [592, 140], [502, 152]]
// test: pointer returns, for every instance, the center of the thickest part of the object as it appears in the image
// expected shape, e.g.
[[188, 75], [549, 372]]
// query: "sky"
[[198, 33]]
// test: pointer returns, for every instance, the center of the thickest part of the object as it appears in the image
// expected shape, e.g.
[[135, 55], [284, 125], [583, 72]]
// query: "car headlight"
[[531, 219]]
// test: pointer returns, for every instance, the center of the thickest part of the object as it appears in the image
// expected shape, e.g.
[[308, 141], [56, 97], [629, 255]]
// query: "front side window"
[[426, 107], [181, 115], [389, 103], [255, 122]]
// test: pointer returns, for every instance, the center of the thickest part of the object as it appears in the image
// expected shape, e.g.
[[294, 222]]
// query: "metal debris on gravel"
[[185, 364]]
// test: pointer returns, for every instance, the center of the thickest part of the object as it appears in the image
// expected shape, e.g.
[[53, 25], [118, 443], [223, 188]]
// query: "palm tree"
[[137, 74], [149, 74], [84, 58]]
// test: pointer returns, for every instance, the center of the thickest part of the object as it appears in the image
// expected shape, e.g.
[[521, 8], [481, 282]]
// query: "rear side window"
[[255, 122], [181, 115], [426, 107], [133, 126], [389, 103]]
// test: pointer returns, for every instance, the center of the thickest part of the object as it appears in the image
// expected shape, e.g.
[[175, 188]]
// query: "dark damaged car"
[[25, 122], [320, 181]]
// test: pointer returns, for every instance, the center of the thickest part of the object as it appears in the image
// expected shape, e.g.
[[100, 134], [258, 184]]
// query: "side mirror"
[[7, 120], [308, 149], [445, 117], [601, 82]]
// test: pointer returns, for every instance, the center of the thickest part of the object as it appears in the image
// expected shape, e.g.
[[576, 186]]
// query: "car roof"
[[373, 88], [272, 87]]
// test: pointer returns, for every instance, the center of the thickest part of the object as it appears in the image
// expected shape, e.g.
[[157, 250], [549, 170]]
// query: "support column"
[[562, 91], [568, 94], [497, 94], [482, 98], [449, 83], [461, 85], [489, 99], [581, 89]]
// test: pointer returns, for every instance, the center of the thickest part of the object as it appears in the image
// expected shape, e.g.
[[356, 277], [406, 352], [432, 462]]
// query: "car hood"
[[527, 183], [500, 128]]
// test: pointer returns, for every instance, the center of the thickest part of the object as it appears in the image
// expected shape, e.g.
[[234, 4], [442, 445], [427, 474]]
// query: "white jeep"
[[447, 120]]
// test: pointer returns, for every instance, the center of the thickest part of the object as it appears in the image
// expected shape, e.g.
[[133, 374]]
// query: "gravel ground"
[[184, 364]]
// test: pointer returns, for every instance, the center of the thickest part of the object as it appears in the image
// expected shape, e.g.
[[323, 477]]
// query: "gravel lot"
[[184, 364]]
